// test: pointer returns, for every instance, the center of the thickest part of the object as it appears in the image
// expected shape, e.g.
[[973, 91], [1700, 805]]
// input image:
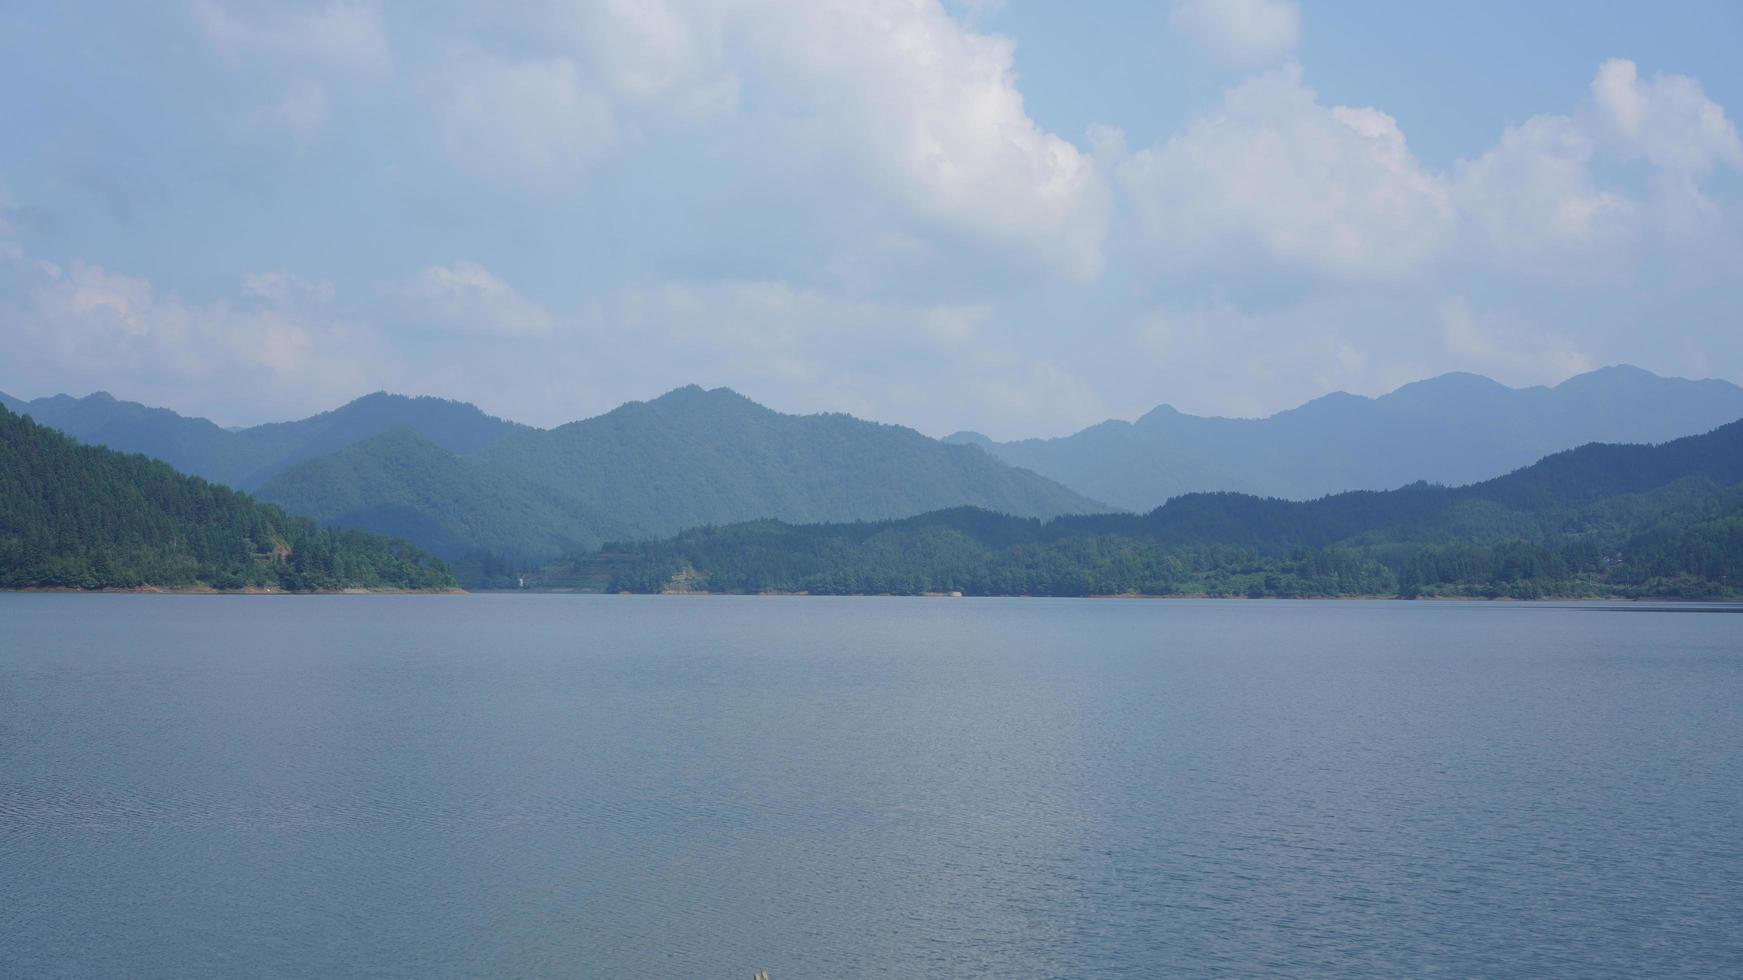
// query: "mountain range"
[[1599, 520], [1452, 429], [647, 469], [461, 483], [247, 458]]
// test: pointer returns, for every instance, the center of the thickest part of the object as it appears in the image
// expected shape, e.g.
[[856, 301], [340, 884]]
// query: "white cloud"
[[279, 348], [1240, 32], [1532, 199], [974, 11], [1667, 120], [932, 111], [465, 297], [895, 97], [524, 122], [1536, 199], [1334, 190], [343, 35]]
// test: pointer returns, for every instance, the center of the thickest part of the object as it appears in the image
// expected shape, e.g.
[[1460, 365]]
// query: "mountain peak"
[[693, 391], [1616, 371], [1160, 413], [1610, 376], [968, 437], [698, 397], [1449, 383]]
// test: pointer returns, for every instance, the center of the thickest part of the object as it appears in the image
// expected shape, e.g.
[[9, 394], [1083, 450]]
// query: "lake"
[[617, 787]]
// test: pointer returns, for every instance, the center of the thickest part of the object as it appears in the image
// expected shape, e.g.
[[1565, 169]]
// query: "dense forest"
[[1602, 520], [85, 517]]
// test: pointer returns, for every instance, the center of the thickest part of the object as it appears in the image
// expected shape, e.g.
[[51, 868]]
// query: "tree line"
[[85, 517]]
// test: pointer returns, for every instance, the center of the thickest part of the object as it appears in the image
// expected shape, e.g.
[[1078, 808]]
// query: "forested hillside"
[[646, 469], [76, 516], [1599, 520], [1453, 429]]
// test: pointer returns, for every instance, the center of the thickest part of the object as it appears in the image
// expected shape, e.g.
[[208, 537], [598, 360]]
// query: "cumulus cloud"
[[1240, 32], [277, 347], [465, 297], [1667, 120], [895, 96], [1537, 201], [339, 34], [933, 111], [1334, 192], [1331, 190], [1532, 197]]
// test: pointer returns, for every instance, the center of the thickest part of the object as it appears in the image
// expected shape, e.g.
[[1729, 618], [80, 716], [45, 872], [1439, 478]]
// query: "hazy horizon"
[[1009, 218], [940, 431]]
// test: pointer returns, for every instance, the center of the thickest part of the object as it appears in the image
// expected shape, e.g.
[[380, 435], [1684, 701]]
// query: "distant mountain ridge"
[[248, 457], [458, 482], [1600, 520], [1452, 429], [690, 457]]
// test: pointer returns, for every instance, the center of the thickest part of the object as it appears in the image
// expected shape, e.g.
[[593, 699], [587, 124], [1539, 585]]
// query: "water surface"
[[699, 787]]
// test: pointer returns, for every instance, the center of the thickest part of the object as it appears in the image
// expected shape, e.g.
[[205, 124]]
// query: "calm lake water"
[[626, 787]]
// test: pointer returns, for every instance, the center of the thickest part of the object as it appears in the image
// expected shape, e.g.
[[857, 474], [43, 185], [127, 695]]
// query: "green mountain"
[[1630, 520], [1454, 429], [646, 469], [248, 457], [402, 484], [76, 516]]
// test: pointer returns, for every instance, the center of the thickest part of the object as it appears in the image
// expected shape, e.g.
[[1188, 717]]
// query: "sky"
[[1017, 217]]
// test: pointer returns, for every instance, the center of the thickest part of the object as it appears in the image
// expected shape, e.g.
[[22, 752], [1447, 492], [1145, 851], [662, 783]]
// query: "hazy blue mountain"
[[1453, 429], [245, 458], [1629, 520], [11, 404], [688, 458]]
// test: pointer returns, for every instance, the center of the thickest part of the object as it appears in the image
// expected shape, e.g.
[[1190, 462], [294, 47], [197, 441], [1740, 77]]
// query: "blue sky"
[[1018, 217]]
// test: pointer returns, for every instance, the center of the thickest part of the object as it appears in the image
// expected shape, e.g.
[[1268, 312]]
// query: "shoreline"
[[1125, 597], [208, 590], [1134, 596]]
